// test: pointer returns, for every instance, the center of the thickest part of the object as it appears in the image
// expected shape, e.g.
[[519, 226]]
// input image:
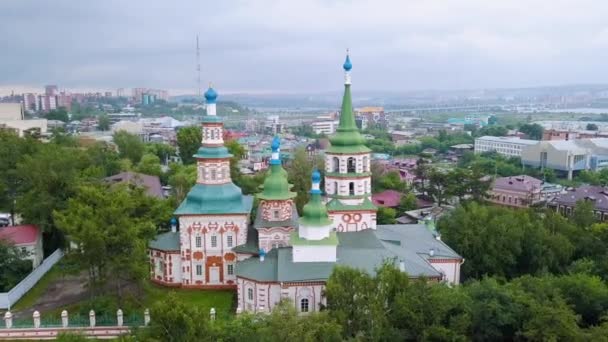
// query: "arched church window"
[[336, 189], [213, 174], [351, 166], [365, 164], [304, 305], [351, 188], [336, 164], [250, 294]]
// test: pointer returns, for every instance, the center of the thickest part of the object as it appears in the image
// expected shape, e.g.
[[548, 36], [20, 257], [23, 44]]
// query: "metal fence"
[[8, 299]]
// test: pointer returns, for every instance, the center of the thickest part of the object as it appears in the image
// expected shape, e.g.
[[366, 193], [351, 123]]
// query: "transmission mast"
[[198, 70]]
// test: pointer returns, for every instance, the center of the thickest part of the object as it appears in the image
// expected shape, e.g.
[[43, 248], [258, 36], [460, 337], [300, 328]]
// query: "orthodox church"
[[281, 255]]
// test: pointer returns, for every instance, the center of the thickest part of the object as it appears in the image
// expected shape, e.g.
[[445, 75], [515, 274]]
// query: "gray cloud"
[[289, 46]]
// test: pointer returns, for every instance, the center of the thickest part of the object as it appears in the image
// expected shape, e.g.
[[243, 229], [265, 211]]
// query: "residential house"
[[28, 238], [565, 203], [516, 191]]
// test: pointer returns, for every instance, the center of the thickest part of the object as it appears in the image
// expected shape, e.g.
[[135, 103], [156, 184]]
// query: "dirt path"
[[63, 291]]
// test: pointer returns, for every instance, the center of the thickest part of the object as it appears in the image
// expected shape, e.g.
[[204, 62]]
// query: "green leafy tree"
[[533, 131], [592, 127], [299, 172], [181, 179], [408, 202], [129, 145], [386, 215], [111, 225], [103, 122], [13, 265], [188, 142], [12, 151], [48, 178], [60, 114], [149, 165], [583, 215]]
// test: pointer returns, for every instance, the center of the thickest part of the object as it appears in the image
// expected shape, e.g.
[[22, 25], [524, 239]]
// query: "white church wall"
[[449, 267], [314, 253]]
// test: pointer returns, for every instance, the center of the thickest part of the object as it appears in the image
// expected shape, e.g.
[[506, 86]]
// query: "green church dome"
[[276, 186], [315, 211]]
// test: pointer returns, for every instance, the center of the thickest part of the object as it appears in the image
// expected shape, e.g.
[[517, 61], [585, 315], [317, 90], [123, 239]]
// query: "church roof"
[[166, 242], [365, 250], [336, 205], [215, 199]]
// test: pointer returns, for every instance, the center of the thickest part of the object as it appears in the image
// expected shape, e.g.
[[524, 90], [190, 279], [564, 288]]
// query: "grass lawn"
[[222, 301], [35, 292]]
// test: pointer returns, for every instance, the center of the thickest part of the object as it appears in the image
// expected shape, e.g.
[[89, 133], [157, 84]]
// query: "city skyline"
[[274, 47]]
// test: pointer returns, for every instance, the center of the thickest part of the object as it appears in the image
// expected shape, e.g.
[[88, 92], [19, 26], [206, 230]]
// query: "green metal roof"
[[215, 199], [212, 152], [251, 246], [347, 138], [276, 186], [365, 250], [212, 119], [296, 240], [336, 205], [166, 242]]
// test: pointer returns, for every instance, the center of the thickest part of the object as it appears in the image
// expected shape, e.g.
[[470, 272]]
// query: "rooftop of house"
[[597, 194], [414, 245], [387, 198], [521, 183], [20, 235], [515, 140], [150, 183]]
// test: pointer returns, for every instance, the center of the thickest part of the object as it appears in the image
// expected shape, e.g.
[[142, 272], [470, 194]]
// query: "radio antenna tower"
[[198, 69]]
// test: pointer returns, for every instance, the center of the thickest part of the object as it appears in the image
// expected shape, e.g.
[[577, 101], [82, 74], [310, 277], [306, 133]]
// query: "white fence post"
[[119, 320], [8, 319], [146, 317], [92, 318], [36, 316], [64, 319]]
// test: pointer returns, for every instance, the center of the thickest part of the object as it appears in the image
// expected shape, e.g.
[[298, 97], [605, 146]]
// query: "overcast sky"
[[298, 46]]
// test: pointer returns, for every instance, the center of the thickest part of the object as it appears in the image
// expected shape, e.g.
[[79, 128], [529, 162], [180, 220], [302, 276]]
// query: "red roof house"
[[26, 237], [387, 198]]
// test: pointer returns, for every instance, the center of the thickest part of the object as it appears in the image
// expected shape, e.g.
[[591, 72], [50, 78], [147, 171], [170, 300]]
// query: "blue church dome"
[[316, 176], [210, 95], [347, 64], [276, 143]]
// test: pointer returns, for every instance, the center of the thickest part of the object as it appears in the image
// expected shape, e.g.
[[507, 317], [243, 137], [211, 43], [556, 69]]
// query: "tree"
[[408, 202], [162, 151], [583, 215], [592, 127], [129, 145], [386, 215], [60, 114], [439, 185], [533, 131], [111, 225], [48, 178], [505, 242], [188, 142], [176, 321], [13, 265], [12, 151], [149, 165], [299, 172], [422, 172], [103, 122], [181, 179]]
